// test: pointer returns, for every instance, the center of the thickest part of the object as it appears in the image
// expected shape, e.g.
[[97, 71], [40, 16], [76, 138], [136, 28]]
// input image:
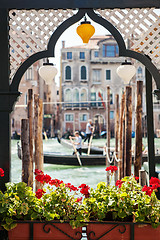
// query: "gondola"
[[63, 159], [91, 160]]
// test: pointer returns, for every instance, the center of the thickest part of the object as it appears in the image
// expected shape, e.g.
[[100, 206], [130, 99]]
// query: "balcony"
[[82, 105]]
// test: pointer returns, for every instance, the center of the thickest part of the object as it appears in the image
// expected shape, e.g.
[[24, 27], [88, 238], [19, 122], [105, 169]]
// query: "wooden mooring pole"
[[116, 133], [121, 133], [128, 131], [30, 117], [138, 138], [108, 129], [142, 177], [38, 117], [27, 175]]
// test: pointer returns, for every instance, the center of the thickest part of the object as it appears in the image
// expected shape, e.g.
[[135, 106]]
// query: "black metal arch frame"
[[151, 70], [50, 52]]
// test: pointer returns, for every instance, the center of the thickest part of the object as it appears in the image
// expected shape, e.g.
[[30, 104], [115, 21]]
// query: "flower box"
[[107, 212], [28, 230], [122, 231]]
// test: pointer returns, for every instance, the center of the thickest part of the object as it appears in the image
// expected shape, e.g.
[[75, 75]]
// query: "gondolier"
[[89, 130], [77, 142]]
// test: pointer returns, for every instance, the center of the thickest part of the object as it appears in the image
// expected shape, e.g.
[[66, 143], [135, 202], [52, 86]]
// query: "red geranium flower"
[[40, 178], [55, 182], [79, 199], [119, 183], [137, 178], [38, 172], [148, 190], [154, 180], [1, 172], [71, 187], [112, 169], [46, 178], [43, 178], [39, 193], [84, 190], [155, 186]]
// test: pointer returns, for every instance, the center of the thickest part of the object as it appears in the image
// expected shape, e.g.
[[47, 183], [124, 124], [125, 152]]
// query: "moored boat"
[[91, 160], [63, 159]]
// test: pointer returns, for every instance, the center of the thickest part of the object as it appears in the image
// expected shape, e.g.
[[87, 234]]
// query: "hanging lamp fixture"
[[48, 72], [126, 71], [85, 30]]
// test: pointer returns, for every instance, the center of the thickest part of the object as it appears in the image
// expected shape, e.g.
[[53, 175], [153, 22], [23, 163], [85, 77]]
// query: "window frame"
[[29, 74], [100, 76], [68, 79], [108, 71], [69, 115], [83, 79], [81, 119], [105, 51], [82, 55], [96, 52], [111, 115], [69, 56]]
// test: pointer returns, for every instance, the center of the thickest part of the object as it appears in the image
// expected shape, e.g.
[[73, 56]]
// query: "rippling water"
[[76, 175]]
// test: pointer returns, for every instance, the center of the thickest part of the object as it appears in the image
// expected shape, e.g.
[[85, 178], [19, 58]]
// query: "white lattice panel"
[[31, 30], [141, 26]]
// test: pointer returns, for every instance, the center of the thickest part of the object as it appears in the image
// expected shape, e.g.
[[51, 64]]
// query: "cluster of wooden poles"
[[31, 138], [123, 131], [31, 134]]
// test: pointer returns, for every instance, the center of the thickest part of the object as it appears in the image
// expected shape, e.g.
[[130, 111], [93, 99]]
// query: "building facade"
[[48, 93], [86, 72]]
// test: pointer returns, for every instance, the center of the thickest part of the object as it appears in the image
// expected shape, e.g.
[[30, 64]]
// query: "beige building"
[[48, 93], [86, 72]]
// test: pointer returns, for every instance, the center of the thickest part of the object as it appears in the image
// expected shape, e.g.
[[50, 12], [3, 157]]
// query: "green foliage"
[[17, 203], [105, 203], [127, 203]]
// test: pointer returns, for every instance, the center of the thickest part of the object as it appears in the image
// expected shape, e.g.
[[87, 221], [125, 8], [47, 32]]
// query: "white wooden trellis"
[[30, 30], [141, 26]]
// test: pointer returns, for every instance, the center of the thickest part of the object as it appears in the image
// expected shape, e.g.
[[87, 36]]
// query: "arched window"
[[68, 73], [83, 73], [68, 95], [93, 97], [83, 95], [84, 98], [75, 97]]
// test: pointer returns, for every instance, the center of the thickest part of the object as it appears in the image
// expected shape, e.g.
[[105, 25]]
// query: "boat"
[[63, 159], [86, 160], [94, 150], [91, 160]]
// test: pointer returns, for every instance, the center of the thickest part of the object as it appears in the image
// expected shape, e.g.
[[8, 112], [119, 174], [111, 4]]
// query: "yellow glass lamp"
[[85, 30]]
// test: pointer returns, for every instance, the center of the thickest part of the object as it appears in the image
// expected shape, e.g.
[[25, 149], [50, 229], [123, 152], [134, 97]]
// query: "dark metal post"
[[5, 152], [150, 126], [6, 100]]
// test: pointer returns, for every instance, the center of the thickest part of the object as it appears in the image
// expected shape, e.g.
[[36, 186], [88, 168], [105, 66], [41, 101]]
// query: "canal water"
[[74, 174], [90, 175]]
